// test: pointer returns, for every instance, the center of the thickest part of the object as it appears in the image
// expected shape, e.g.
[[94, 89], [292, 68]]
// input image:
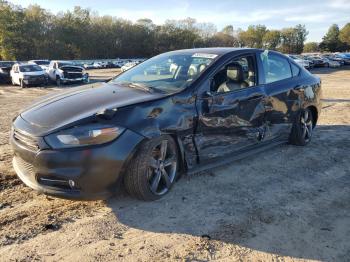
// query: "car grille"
[[36, 78], [26, 140], [25, 167], [73, 75]]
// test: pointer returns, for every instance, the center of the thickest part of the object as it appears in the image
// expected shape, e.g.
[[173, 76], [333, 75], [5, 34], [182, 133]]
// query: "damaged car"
[[64, 72], [144, 130]]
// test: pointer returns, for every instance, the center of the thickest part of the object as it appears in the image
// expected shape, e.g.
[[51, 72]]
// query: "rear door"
[[282, 94], [232, 121]]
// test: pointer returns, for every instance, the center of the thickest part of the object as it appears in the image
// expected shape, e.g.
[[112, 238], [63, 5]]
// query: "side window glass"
[[295, 69], [237, 74], [276, 67]]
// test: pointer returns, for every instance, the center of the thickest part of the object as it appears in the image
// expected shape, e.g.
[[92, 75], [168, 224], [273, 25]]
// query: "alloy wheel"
[[306, 125], [162, 168]]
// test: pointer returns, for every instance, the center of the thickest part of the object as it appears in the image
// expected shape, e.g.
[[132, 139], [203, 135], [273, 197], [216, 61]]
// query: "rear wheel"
[[302, 128], [153, 171]]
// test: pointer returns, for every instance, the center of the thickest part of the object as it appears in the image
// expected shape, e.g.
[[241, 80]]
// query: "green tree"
[[311, 47], [292, 39], [253, 36], [272, 39], [331, 41], [344, 34]]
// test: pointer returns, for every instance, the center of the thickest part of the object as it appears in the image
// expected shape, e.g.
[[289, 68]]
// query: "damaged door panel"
[[230, 122]]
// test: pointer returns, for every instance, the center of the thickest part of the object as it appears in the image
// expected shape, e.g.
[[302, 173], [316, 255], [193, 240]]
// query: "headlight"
[[94, 134], [25, 77]]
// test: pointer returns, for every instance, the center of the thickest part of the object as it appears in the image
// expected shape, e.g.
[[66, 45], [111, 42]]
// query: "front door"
[[231, 112]]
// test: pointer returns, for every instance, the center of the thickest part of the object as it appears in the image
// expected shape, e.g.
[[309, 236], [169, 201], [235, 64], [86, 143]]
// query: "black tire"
[[152, 173], [58, 81], [302, 128]]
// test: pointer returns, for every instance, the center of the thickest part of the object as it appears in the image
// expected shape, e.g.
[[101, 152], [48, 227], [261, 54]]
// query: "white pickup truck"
[[63, 72]]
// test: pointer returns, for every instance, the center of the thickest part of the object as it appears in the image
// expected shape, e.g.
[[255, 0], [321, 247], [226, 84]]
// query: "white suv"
[[27, 74]]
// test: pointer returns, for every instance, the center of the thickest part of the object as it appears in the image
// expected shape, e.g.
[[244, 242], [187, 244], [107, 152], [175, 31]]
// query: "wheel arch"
[[314, 112], [179, 147]]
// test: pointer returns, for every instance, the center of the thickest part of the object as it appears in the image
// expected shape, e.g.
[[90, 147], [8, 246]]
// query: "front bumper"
[[95, 171], [71, 80], [38, 81], [84, 78]]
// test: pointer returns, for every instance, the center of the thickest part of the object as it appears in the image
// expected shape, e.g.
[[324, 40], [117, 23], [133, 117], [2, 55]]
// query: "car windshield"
[[6, 64], [170, 72], [65, 64], [30, 68], [42, 62]]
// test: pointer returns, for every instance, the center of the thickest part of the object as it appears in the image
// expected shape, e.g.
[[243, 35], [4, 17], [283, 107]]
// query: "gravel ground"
[[287, 204]]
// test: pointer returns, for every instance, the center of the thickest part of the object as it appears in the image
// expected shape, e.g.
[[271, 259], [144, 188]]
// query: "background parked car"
[[300, 61], [331, 63], [88, 66], [317, 61], [97, 65], [128, 65], [44, 64], [332, 57], [5, 68], [28, 74], [345, 57], [62, 72]]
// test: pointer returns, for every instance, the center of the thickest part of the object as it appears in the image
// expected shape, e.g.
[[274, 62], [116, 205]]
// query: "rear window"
[[276, 67]]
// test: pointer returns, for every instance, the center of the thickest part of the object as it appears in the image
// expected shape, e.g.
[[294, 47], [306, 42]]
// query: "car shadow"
[[328, 70], [335, 100], [291, 201]]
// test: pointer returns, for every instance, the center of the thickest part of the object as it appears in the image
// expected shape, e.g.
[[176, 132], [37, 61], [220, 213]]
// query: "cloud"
[[307, 18], [339, 4]]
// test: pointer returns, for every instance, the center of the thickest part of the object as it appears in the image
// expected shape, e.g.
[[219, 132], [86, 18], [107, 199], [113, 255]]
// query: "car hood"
[[36, 73], [62, 109]]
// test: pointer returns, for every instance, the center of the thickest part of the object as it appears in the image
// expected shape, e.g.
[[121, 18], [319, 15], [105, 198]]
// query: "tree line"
[[34, 33], [335, 40]]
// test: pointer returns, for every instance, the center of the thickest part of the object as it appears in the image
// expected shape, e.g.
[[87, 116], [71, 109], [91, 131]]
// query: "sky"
[[317, 15]]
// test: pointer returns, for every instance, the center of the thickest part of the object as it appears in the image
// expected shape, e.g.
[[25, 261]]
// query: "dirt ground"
[[287, 204]]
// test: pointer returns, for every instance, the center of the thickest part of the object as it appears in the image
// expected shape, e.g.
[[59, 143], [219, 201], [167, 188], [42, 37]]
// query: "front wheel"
[[153, 171], [22, 84], [302, 128], [58, 81]]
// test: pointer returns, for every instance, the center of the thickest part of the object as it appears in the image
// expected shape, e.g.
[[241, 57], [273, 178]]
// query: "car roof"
[[215, 50], [46, 60], [62, 61], [24, 64]]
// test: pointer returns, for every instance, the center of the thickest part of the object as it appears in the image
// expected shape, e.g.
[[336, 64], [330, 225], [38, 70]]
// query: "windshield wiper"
[[135, 85]]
